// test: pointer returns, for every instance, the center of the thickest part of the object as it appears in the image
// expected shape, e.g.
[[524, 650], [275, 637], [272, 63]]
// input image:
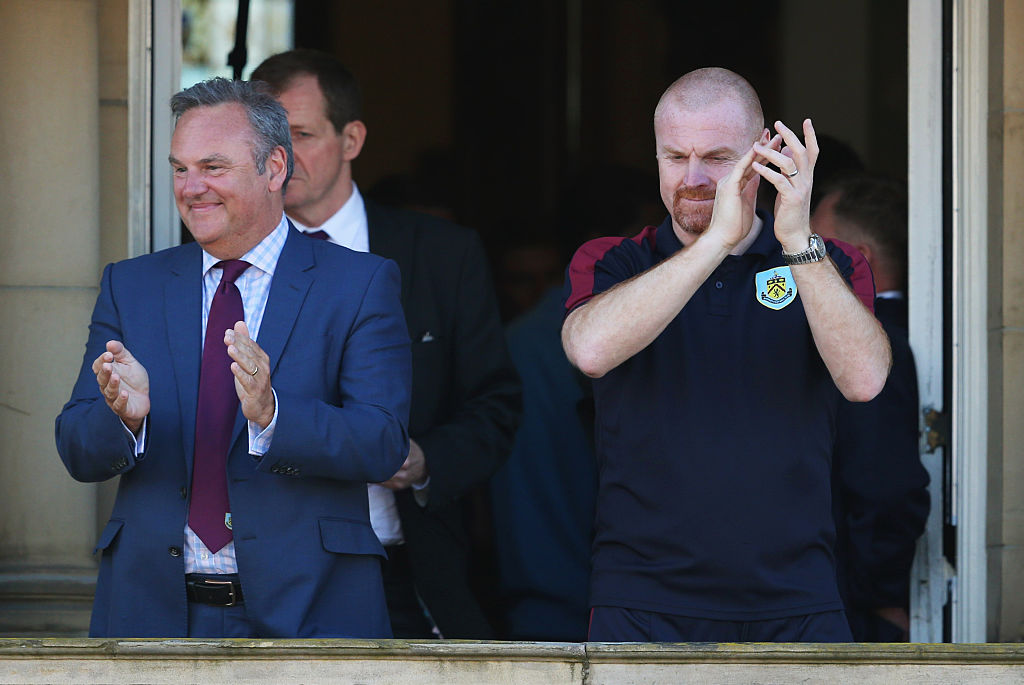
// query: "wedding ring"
[[255, 371], [795, 172]]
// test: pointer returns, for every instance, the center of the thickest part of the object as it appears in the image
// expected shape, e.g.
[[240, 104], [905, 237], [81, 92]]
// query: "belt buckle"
[[231, 589]]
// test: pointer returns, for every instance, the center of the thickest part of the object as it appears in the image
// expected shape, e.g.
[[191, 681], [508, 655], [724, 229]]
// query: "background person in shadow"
[[880, 488], [465, 392]]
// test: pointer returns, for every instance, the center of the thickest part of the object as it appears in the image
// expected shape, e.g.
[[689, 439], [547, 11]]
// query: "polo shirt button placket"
[[719, 295]]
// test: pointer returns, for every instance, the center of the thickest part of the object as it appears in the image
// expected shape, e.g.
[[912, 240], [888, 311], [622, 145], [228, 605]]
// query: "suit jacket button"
[[174, 551], [183, 492]]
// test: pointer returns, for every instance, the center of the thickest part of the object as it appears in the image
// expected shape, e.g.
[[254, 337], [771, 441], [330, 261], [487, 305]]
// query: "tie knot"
[[319, 235], [233, 268]]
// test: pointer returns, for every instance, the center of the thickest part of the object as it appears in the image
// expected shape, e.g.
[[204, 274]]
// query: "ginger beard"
[[692, 208]]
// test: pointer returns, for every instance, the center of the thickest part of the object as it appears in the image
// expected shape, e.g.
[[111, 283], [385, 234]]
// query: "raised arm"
[[849, 338], [110, 397], [343, 392], [616, 324]]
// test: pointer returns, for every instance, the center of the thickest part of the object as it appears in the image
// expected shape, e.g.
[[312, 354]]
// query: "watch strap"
[[815, 252]]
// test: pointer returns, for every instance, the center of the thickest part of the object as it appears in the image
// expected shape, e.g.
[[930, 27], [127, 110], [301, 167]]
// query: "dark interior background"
[[522, 118]]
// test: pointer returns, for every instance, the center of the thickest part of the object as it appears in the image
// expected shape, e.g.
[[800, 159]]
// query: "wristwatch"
[[815, 252]]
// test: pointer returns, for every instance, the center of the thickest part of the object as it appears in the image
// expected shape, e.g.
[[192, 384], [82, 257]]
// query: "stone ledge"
[[57, 660]]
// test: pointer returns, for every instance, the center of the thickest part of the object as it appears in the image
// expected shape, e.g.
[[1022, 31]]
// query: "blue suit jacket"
[[340, 363]]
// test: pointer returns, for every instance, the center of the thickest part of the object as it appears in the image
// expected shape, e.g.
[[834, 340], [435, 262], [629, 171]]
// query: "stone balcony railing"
[[177, 662]]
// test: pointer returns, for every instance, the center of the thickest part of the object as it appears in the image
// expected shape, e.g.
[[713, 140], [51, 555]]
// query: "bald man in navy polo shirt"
[[720, 343]]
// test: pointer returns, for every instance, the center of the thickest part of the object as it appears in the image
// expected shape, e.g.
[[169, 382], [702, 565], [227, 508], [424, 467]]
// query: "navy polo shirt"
[[714, 443]]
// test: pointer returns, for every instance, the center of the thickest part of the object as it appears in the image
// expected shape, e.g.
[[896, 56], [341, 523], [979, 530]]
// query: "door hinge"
[[937, 428]]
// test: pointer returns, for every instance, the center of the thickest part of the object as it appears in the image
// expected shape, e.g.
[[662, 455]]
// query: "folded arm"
[[474, 438]]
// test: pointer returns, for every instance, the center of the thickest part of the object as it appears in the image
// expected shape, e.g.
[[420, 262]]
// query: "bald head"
[[703, 125], [702, 88]]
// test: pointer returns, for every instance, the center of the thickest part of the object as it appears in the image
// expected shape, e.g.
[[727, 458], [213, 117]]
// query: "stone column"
[[1006, 382], [49, 269]]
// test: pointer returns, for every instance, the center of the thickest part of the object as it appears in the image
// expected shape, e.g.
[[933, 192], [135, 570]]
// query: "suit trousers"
[[409, 620], [205, 620]]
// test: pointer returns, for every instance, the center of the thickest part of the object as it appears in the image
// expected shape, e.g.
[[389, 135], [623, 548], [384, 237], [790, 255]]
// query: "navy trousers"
[[616, 624]]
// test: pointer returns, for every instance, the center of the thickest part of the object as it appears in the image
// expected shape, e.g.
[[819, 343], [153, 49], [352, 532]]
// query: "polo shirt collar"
[[765, 243]]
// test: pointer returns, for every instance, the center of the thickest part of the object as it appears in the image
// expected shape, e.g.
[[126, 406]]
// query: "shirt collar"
[[765, 242], [347, 226], [263, 256]]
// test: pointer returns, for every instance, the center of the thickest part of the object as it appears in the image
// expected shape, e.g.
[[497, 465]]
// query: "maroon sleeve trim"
[[860, 279], [584, 263]]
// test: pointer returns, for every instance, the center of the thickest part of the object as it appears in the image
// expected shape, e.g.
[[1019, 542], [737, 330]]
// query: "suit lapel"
[[392, 239], [183, 302], [293, 276]]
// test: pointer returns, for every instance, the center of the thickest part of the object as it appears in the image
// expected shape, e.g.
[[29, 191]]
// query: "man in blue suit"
[[320, 367]]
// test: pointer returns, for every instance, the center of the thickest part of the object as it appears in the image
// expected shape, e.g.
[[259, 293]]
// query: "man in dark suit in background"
[[466, 402], [880, 487], [241, 509]]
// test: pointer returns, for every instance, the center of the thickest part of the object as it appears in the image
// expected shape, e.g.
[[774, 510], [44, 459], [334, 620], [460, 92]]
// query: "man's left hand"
[[793, 182], [254, 392], [414, 470]]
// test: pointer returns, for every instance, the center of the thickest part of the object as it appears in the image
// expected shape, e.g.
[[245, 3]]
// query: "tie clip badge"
[[227, 520], [775, 288]]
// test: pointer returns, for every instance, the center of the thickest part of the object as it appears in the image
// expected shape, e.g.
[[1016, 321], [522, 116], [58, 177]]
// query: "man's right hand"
[[733, 214], [124, 383]]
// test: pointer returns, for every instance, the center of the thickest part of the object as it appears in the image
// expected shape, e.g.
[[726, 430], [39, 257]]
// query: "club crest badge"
[[775, 288], [227, 520]]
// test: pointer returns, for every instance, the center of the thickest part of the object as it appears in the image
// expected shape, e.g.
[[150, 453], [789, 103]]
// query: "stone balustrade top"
[[82, 660]]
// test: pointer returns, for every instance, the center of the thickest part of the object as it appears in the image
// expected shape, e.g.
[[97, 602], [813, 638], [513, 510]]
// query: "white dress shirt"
[[347, 226]]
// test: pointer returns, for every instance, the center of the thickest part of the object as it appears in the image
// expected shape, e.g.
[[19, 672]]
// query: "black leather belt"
[[216, 590]]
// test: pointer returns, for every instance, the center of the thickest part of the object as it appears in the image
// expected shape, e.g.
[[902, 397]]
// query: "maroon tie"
[[319, 235], [208, 514]]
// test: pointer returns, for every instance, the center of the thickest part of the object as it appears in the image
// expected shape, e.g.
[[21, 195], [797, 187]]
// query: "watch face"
[[817, 245]]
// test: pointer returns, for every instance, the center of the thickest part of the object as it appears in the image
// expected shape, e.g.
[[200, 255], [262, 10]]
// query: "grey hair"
[[267, 118]]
